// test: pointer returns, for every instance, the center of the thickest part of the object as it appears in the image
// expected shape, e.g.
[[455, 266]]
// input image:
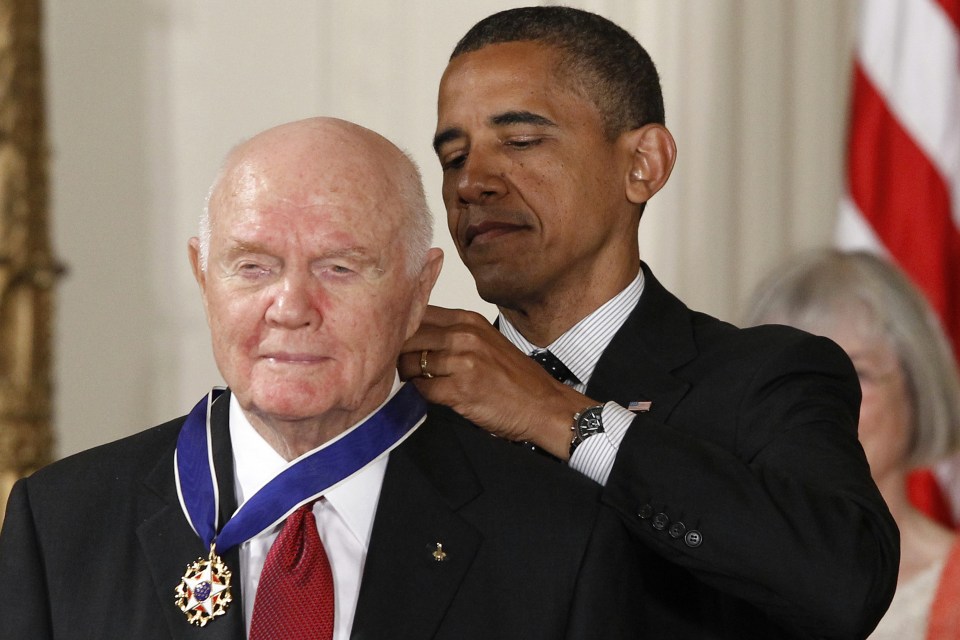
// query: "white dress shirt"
[[344, 518], [580, 348]]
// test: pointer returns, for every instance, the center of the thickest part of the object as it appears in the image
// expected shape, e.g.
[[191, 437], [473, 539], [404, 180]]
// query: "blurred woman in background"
[[909, 415]]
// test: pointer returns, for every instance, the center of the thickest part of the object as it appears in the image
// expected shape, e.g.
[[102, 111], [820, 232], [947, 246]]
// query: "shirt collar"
[[256, 463], [581, 346]]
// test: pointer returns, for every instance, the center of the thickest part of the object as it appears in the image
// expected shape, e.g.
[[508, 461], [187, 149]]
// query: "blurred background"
[[145, 97]]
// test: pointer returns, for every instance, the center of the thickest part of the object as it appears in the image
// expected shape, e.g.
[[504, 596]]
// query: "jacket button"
[[677, 529], [660, 521], [645, 511], [693, 538]]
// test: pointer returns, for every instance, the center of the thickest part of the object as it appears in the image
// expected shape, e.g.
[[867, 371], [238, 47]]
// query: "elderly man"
[[357, 517], [731, 454]]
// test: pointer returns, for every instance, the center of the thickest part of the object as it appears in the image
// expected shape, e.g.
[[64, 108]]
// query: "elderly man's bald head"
[[302, 151]]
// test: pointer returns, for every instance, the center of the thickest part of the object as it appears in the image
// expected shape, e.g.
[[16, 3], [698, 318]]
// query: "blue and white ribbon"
[[305, 479]]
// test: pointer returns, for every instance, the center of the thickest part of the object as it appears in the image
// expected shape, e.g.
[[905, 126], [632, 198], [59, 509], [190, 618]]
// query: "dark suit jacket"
[[93, 546], [745, 482]]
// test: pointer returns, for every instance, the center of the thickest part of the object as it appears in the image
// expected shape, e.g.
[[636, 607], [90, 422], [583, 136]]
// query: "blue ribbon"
[[304, 480]]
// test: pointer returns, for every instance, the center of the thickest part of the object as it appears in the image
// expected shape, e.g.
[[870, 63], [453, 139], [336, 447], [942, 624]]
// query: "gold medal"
[[204, 592]]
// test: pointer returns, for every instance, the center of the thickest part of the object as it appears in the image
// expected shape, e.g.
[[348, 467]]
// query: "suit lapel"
[[170, 544], [405, 589], [638, 365]]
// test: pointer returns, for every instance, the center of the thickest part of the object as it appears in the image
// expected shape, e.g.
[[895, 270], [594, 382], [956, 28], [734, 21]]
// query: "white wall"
[[146, 97]]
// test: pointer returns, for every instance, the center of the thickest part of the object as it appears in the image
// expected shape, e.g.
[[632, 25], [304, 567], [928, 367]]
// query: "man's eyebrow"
[[241, 247], [521, 117], [500, 120], [352, 253]]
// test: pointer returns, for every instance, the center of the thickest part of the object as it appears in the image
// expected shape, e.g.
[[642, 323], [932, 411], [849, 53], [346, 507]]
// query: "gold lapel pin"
[[439, 554]]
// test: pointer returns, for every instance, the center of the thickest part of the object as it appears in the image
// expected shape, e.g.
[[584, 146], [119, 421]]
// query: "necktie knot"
[[554, 366], [303, 541]]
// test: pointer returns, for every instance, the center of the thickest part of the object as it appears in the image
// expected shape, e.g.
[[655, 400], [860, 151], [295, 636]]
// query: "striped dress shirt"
[[580, 348]]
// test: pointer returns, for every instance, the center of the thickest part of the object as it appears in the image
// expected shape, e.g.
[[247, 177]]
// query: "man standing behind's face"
[[542, 194]]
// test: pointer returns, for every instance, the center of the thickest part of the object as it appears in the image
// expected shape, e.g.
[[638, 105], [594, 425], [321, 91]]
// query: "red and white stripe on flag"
[[903, 165]]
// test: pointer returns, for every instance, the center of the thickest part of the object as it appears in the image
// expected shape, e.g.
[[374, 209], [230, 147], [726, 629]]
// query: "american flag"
[[903, 166]]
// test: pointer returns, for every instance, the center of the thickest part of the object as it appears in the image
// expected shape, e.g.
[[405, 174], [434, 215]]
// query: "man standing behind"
[[732, 455], [357, 517]]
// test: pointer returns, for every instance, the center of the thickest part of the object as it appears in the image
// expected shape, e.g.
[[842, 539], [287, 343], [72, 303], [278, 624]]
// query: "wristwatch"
[[586, 423]]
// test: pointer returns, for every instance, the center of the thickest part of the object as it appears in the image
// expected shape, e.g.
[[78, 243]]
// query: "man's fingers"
[[444, 317], [452, 330], [408, 365], [429, 337], [421, 363]]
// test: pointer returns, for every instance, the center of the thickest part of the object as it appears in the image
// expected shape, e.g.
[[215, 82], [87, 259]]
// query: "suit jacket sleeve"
[[24, 603], [761, 459]]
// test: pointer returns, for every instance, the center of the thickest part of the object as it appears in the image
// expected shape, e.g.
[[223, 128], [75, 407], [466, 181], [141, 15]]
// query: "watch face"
[[586, 423], [590, 422]]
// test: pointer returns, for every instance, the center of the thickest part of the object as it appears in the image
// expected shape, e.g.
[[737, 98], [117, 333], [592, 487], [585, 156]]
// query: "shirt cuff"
[[594, 457]]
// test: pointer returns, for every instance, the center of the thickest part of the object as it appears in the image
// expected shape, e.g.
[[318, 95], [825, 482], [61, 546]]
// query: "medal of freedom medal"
[[204, 592]]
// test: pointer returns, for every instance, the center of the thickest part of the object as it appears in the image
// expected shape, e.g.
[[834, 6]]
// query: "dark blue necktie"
[[559, 371], [554, 366]]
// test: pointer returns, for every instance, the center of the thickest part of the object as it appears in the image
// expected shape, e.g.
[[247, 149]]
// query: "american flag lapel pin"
[[640, 406]]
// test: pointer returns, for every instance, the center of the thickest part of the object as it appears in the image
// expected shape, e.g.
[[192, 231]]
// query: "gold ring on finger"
[[423, 365]]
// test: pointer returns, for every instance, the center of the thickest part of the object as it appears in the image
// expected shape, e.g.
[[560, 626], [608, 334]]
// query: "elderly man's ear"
[[425, 282], [193, 252], [652, 155]]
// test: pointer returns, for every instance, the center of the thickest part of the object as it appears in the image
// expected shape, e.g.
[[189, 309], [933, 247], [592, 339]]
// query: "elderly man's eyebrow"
[[358, 253], [243, 247]]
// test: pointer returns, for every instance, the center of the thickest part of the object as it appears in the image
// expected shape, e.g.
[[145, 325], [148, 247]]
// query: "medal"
[[204, 592]]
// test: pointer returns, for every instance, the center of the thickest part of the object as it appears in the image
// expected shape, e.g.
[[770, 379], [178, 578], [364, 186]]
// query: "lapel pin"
[[439, 554], [640, 406]]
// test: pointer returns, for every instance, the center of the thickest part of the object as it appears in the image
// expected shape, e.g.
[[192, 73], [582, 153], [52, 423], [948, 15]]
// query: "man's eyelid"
[[451, 150], [234, 261], [526, 137], [352, 259]]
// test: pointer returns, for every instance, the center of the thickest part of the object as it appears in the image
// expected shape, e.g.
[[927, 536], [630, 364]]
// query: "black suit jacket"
[[745, 482], [93, 546]]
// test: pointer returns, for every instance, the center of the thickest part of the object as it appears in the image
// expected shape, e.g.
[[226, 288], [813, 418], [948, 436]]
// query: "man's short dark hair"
[[600, 59]]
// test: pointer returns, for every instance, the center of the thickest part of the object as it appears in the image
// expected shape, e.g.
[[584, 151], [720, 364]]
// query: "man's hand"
[[469, 366]]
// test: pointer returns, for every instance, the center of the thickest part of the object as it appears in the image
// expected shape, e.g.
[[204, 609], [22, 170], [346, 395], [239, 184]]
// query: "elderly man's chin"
[[326, 399]]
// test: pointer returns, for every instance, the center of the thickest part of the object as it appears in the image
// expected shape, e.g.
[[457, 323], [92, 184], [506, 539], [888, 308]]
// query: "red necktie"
[[294, 599]]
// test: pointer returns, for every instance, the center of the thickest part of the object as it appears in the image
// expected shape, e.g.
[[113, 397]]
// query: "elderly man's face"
[[307, 291]]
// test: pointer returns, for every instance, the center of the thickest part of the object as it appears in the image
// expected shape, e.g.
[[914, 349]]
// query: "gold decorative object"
[[28, 270], [204, 591]]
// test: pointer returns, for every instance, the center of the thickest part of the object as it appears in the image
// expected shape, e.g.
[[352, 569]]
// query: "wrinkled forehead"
[[307, 183]]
